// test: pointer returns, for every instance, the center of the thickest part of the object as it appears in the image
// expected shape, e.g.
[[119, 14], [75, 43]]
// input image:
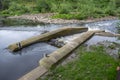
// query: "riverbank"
[[38, 48], [46, 18], [92, 64]]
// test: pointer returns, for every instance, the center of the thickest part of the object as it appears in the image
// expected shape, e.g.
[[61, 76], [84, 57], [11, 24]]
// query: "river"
[[14, 65]]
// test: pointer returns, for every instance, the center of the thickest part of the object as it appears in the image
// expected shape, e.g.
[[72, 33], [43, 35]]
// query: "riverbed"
[[14, 65]]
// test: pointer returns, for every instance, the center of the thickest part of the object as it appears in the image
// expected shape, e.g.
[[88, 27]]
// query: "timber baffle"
[[46, 36]]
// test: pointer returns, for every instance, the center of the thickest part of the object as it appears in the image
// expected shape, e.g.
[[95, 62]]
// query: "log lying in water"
[[46, 36], [47, 62]]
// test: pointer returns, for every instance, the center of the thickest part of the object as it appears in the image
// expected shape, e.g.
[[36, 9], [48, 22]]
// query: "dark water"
[[15, 65]]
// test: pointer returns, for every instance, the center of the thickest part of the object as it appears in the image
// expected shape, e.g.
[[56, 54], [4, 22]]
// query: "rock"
[[111, 48], [57, 42], [46, 18], [45, 31]]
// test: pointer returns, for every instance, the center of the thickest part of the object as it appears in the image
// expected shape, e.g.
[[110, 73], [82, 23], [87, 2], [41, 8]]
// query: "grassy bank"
[[66, 9], [89, 65]]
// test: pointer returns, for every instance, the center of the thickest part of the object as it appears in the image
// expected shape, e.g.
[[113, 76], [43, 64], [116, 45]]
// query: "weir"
[[47, 62], [27, 59], [46, 36], [108, 34]]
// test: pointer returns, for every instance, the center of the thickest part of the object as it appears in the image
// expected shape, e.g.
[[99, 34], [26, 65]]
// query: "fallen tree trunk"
[[46, 36], [47, 62]]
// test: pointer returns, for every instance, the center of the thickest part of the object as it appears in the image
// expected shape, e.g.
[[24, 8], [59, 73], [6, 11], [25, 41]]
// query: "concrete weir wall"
[[108, 34], [54, 57], [47, 62], [46, 36]]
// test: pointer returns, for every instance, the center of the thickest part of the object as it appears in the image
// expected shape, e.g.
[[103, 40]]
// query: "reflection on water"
[[96, 39], [9, 37], [14, 65]]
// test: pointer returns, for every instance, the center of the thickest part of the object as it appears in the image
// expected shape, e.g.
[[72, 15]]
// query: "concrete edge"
[[46, 36], [107, 34], [47, 62]]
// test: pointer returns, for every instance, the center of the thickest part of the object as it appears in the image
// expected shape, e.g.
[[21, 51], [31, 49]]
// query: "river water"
[[14, 65]]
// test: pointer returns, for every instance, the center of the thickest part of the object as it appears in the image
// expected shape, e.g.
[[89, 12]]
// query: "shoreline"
[[46, 19]]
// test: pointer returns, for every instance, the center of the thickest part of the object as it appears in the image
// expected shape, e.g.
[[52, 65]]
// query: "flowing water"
[[14, 65], [108, 26]]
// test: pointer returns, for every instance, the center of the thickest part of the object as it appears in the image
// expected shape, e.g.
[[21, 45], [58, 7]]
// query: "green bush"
[[43, 6], [67, 9], [117, 2], [64, 11], [16, 9]]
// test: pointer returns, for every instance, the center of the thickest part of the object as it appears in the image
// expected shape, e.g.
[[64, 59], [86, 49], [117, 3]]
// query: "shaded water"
[[14, 65]]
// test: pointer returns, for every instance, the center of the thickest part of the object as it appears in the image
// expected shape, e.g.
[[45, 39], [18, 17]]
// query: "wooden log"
[[46, 36]]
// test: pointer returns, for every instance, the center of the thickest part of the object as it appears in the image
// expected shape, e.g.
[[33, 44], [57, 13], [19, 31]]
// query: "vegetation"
[[90, 65], [67, 9], [14, 22], [118, 28], [118, 31]]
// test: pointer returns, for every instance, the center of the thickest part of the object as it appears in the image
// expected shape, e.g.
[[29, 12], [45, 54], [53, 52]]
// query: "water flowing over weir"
[[14, 65], [108, 26]]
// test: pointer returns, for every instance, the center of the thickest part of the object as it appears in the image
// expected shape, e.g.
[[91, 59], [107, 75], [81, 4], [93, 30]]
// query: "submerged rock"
[[57, 42], [111, 48], [45, 31]]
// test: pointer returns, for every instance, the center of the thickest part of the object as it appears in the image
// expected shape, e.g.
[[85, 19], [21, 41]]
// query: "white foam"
[[93, 28]]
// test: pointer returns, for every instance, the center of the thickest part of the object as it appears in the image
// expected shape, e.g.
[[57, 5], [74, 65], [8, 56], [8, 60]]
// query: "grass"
[[90, 65], [118, 28]]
